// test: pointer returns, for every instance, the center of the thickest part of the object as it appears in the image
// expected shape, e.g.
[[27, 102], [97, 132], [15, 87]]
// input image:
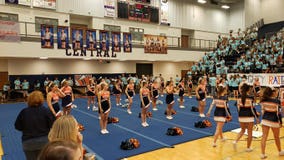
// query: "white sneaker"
[[103, 131], [95, 108], [181, 106], [250, 150], [106, 131], [214, 145], [235, 145], [88, 107], [190, 97], [202, 115], [223, 139], [263, 156], [281, 153], [144, 124], [155, 109], [162, 95], [169, 117], [120, 104], [99, 117], [117, 104], [129, 111], [73, 106]]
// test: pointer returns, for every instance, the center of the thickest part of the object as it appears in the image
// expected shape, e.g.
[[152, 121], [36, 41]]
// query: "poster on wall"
[[104, 40], [25, 2], [116, 46], [62, 37], [82, 79], [155, 44], [91, 39], [47, 36], [109, 8], [50, 4], [77, 38], [9, 31], [165, 12], [127, 42]]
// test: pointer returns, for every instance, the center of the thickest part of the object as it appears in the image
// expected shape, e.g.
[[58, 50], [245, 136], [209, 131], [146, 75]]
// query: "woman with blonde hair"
[[34, 122], [52, 98], [201, 92], [66, 128], [104, 106]]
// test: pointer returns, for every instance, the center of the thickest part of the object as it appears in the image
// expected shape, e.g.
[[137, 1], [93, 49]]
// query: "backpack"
[[129, 144], [194, 109], [174, 131]]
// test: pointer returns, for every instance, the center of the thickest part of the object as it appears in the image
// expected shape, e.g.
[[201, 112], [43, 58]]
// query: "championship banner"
[[267, 79], [25, 2], [109, 8], [77, 38], [104, 40], [82, 79], [62, 37], [116, 46], [127, 42], [47, 36], [91, 39], [165, 12], [155, 44], [9, 31], [50, 4]]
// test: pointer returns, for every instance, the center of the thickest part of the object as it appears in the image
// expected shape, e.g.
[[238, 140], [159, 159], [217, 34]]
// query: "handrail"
[[27, 30]]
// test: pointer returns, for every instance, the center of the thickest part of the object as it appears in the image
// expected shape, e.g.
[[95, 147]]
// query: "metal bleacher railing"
[[28, 31]]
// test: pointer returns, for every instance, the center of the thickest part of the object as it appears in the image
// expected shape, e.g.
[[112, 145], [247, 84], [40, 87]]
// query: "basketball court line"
[[129, 130]]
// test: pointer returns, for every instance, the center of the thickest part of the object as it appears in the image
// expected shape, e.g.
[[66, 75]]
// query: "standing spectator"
[[46, 81], [34, 122], [25, 87], [70, 81], [56, 82], [17, 83], [6, 89], [37, 85]]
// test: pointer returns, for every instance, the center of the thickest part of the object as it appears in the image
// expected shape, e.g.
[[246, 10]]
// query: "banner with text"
[[165, 12], [9, 31], [109, 8], [267, 79], [155, 44]]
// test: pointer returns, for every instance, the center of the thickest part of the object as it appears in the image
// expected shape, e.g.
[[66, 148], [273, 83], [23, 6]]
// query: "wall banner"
[[155, 44], [9, 31]]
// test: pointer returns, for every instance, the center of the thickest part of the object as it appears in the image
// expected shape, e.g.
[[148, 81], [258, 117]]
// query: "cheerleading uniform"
[[272, 115], [181, 89], [155, 91], [247, 112], [202, 95], [117, 89], [170, 98], [130, 90], [67, 99], [145, 93], [105, 106], [55, 101], [220, 110], [189, 83], [92, 90], [257, 87]]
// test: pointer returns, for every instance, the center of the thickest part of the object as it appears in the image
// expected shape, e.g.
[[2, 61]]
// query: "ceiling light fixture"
[[201, 1], [225, 6]]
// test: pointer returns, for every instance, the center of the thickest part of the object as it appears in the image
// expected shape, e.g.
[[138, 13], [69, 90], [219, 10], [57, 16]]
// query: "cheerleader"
[[189, 86], [104, 106], [117, 92], [271, 118], [53, 95], [129, 92], [181, 93], [155, 94], [201, 96], [247, 113], [145, 102], [220, 113], [91, 93], [68, 98], [170, 99], [162, 85], [256, 88]]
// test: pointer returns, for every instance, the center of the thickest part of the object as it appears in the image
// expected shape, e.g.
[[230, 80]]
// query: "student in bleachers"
[[17, 84], [34, 122]]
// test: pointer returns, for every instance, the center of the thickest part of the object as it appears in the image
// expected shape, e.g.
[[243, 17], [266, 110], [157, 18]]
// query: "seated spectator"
[[61, 150], [34, 122]]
